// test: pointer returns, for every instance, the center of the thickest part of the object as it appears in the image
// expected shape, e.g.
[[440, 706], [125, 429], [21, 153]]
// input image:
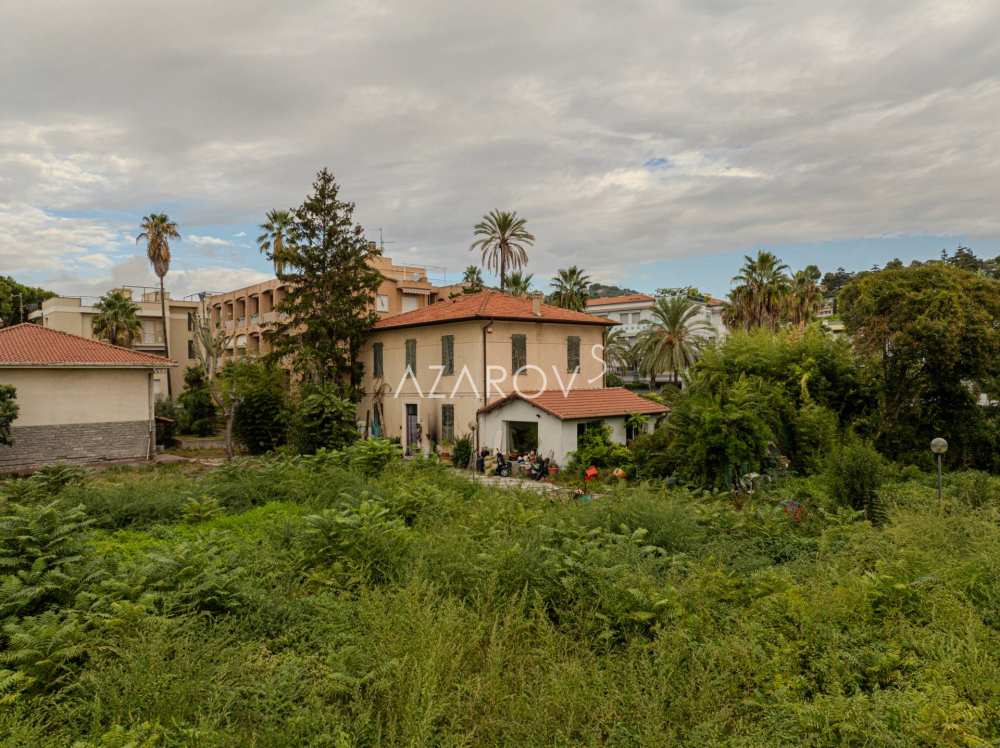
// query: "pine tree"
[[329, 306]]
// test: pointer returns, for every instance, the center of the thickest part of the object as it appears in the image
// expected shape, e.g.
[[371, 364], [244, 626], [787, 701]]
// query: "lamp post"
[[939, 446]]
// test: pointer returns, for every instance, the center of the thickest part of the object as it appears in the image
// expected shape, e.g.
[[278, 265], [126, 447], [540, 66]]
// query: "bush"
[[853, 473], [166, 429], [324, 420], [8, 412], [815, 433], [260, 420], [461, 453], [198, 411], [595, 447]]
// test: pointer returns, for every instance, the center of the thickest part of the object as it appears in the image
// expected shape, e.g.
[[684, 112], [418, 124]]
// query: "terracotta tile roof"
[[487, 305], [626, 299], [597, 403], [29, 344]]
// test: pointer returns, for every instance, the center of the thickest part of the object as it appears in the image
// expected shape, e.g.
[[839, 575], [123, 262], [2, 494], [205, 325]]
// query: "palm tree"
[[158, 230], [502, 241], [804, 297], [570, 289], [272, 242], [117, 319], [519, 284], [472, 280], [759, 298], [672, 340], [618, 354]]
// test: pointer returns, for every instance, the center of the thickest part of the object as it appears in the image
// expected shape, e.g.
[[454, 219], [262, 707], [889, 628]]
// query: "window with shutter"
[[448, 423], [411, 355], [572, 354], [447, 355], [377, 370], [518, 353]]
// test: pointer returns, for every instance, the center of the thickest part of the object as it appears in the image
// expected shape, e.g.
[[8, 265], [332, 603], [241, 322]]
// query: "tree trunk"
[[166, 336], [503, 271]]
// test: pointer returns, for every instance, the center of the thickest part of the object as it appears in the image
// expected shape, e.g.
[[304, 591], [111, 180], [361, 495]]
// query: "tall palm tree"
[[804, 297], [117, 319], [570, 288], [672, 340], [758, 300], [502, 242], [472, 280], [157, 231], [272, 241], [618, 354], [519, 284]]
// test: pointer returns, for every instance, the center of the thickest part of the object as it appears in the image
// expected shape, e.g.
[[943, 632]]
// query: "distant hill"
[[600, 291]]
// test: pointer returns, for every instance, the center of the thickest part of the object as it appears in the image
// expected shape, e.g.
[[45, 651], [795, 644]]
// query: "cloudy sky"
[[652, 143]]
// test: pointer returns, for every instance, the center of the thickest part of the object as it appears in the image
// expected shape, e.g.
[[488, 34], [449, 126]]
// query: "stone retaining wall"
[[35, 446]]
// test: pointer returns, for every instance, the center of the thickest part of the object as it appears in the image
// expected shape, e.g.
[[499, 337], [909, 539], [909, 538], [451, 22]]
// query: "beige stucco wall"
[[546, 349], [51, 396]]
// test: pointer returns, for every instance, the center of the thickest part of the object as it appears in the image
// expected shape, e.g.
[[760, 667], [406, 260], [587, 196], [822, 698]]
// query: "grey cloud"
[[784, 122]]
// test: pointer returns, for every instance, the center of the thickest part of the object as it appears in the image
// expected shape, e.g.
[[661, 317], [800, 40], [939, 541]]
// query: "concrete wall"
[[546, 349], [78, 415]]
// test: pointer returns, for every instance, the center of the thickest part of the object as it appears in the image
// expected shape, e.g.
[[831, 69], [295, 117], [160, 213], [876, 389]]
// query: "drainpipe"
[[152, 415], [487, 328]]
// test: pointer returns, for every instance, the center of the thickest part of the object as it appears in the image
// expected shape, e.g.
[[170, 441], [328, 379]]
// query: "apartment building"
[[75, 315], [246, 313]]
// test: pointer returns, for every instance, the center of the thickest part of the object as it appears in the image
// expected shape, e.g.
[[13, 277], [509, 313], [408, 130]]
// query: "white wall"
[[55, 396]]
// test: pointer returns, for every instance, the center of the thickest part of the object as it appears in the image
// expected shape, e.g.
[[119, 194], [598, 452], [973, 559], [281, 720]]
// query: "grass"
[[297, 602]]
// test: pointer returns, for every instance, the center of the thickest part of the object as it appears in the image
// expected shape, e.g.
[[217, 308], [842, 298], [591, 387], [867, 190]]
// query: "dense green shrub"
[[461, 453], [8, 412], [166, 429], [595, 447], [260, 420], [854, 472], [198, 411], [324, 419]]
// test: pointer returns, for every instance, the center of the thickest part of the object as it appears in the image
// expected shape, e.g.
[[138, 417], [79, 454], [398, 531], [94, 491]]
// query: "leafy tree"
[[758, 300], [272, 241], [16, 299], [671, 341], [804, 296], [570, 289], [260, 421], [8, 413], [472, 280], [324, 419], [199, 408], [329, 306], [519, 284], [157, 231], [503, 239], [833, 282], [931, 331], [618, 354], [209, 348], [117, 319]]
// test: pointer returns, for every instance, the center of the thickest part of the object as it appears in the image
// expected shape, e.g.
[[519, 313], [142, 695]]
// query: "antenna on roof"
[[381, 241]]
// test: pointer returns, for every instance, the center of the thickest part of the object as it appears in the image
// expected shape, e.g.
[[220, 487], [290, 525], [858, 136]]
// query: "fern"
[[201, 509], [48, 649]]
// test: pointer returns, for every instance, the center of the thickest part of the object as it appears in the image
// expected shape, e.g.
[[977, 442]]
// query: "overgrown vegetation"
[[350, 598]]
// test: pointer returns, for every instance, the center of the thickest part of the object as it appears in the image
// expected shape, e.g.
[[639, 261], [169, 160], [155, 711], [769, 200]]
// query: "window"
[[377, 370], [381, 303], [447, 355], [572, 353], [518, 353], [448, 423], [191, 349], [411, 355]]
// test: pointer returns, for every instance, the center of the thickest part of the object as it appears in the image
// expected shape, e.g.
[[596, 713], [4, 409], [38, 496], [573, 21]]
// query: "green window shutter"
[[572, 353], [518, 353], [411, 355], [448, 423], [377, 364], [447, 354]]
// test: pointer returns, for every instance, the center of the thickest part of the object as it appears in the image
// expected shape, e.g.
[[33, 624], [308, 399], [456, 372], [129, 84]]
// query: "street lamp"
[[939, 446]]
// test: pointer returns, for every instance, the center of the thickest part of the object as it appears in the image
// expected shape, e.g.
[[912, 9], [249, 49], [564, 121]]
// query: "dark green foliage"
[[329, 303], [595, 447], [324, 419], [166, 429], [461, 453], [854, 471], [17, 301], [8, 412], [198, 410], [260, 421]]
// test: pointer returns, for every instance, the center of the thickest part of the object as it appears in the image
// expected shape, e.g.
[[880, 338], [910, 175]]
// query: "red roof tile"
[[487, 305], [626, 299], [597, 403], [29, 344]]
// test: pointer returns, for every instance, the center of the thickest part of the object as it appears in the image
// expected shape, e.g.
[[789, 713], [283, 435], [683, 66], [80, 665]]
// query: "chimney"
[[536, 304]]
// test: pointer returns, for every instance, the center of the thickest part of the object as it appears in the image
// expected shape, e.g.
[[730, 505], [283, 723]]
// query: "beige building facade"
[[75, 315]]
